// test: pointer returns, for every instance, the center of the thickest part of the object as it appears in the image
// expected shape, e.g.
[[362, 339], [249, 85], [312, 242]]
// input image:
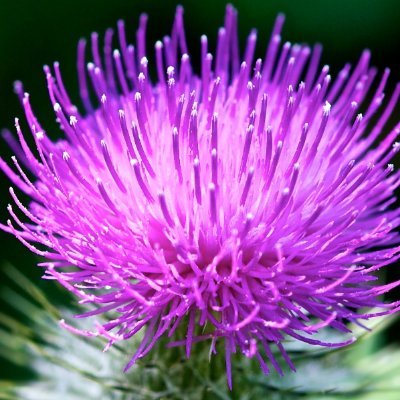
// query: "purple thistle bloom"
[[250, 197]]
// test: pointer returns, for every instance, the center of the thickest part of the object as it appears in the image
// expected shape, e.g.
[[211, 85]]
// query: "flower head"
[[247, 203]]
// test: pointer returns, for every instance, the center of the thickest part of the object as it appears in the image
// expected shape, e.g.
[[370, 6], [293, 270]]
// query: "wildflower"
[[242, 204]]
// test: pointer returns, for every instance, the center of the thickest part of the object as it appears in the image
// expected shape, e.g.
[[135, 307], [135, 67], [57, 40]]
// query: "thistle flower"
[[245, 204]]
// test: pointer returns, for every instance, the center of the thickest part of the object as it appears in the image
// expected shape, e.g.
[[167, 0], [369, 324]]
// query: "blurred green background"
[[37, 32]]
